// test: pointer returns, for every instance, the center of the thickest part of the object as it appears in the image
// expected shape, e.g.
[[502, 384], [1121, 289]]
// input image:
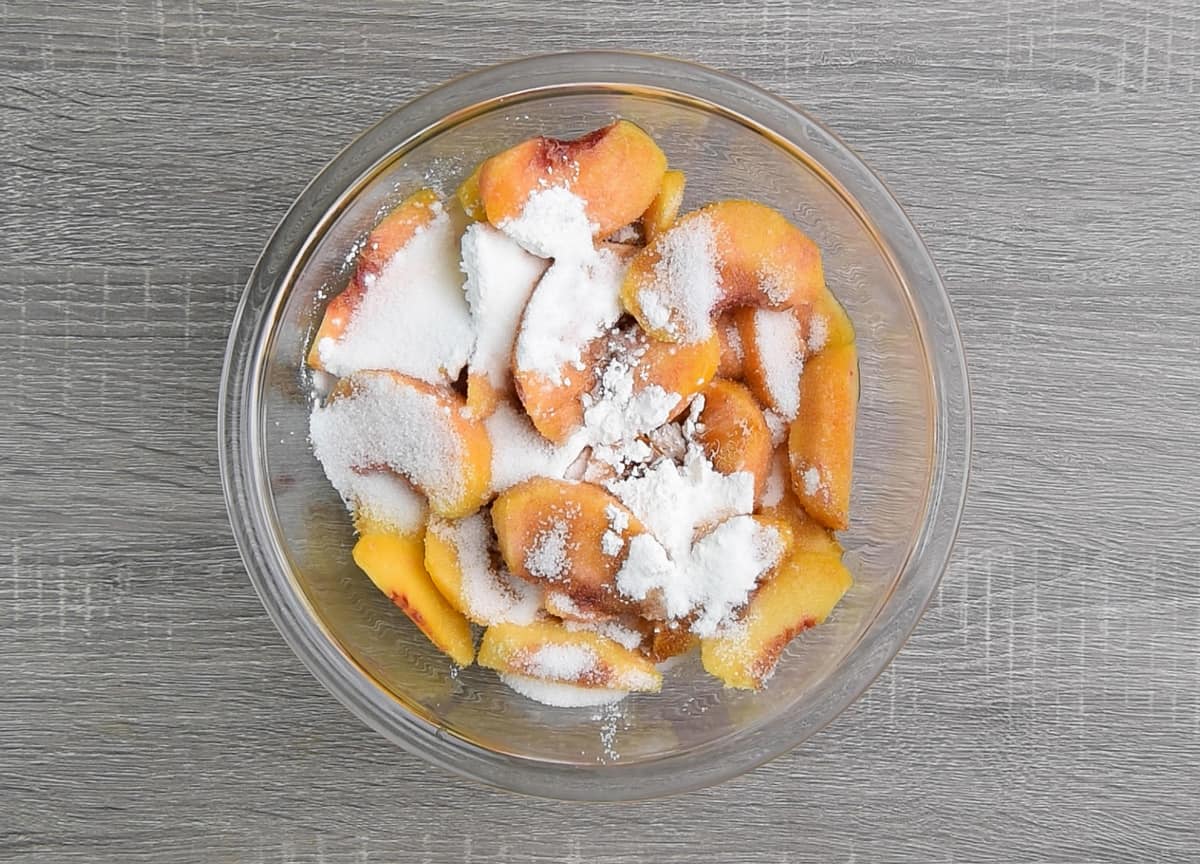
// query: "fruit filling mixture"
[[605, 433]]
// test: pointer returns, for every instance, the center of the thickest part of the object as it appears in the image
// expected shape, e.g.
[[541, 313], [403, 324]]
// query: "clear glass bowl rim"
[[248, 496]]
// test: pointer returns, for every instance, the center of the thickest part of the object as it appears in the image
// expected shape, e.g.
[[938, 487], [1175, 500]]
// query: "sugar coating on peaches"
[[582, 432]]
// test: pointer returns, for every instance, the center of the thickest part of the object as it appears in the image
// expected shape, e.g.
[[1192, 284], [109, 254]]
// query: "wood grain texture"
[[1048, 706]]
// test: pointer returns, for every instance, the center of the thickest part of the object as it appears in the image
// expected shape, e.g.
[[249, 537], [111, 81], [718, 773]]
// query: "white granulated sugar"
[[547, 557], [553, 224], [777, 426], [558, 695], [384, 424], [818, 332], [492, 594], [777, 334], [520, 452], [413, 318], [674, 501], [812, 481], [733, 338], [624, 636], [388, 500], [685, 284], [558, 662], [576, 302], [777, 479], [500, 278]]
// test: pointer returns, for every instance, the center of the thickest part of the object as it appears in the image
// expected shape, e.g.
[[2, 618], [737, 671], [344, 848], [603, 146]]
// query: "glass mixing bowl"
[[913, 438]]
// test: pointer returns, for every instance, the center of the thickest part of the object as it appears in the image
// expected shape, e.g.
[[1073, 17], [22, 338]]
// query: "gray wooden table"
[[1048, 706]]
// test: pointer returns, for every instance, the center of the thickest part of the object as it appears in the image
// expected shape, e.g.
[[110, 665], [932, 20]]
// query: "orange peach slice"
[[661, 213], [395, 563], [821, 438], [555, 407], [670, 639], [617, 171], [386, 239], [571, 538], [733, 354], [773, 343], [733, 432], [467, 194], [801, 594], [548, 651], [385, 421], [728, 254], [806, 533]]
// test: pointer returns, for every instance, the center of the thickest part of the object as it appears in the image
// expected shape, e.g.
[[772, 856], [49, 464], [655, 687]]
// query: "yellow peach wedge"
[[395, 563], [661, 213], [386, 239], [467, 194], [801, 594], [733, 432], [431, 440], [807, 534], [571, 538], [728, 254], [733, 355], [616, 170], [821, 438], [548, 651]]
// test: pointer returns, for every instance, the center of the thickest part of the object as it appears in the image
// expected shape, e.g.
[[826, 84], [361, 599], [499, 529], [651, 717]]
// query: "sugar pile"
[[491, 593], [413, 317], [558, 695], [383, 424], [553, 224], [386, 500], [521, 453], [500, 276]]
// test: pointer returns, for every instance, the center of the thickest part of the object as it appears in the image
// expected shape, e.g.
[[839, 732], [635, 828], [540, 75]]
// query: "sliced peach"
[[395, 563], [728, 254], [821, 438], [548, 651], [732, 352], [555, 407], [571, 538], [733, 432], [459, 558], [380, 420], [617, 171], [661, 213], [467, 194], [801, 594], [828, 326], [807, 534], [670, 639], [385, 240], [773, 342]]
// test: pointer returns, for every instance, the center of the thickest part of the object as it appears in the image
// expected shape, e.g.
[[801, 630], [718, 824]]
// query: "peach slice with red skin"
[[617, 170], [439, 447], [799, 595], [733, 432], [821, 438], [728, 254], [553, 533], [386, 239], [396, 564], [661, 213]]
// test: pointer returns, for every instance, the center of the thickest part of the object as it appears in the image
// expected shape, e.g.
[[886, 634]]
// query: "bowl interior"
[[723, 156]]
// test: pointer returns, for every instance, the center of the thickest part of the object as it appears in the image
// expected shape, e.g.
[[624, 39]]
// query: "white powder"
[[558, 695], [733, 338], [777, 426], [491, 593], [781, 353], [547, 557], [818, 332], [387, 500], [413, 317], [624, 636], [777, 479], [384, 424], [520, 452], [500, 278], [685, 284], [617, 410], [561, 662], [576, 302], [553, 224], [812, 481], [674, 502]]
